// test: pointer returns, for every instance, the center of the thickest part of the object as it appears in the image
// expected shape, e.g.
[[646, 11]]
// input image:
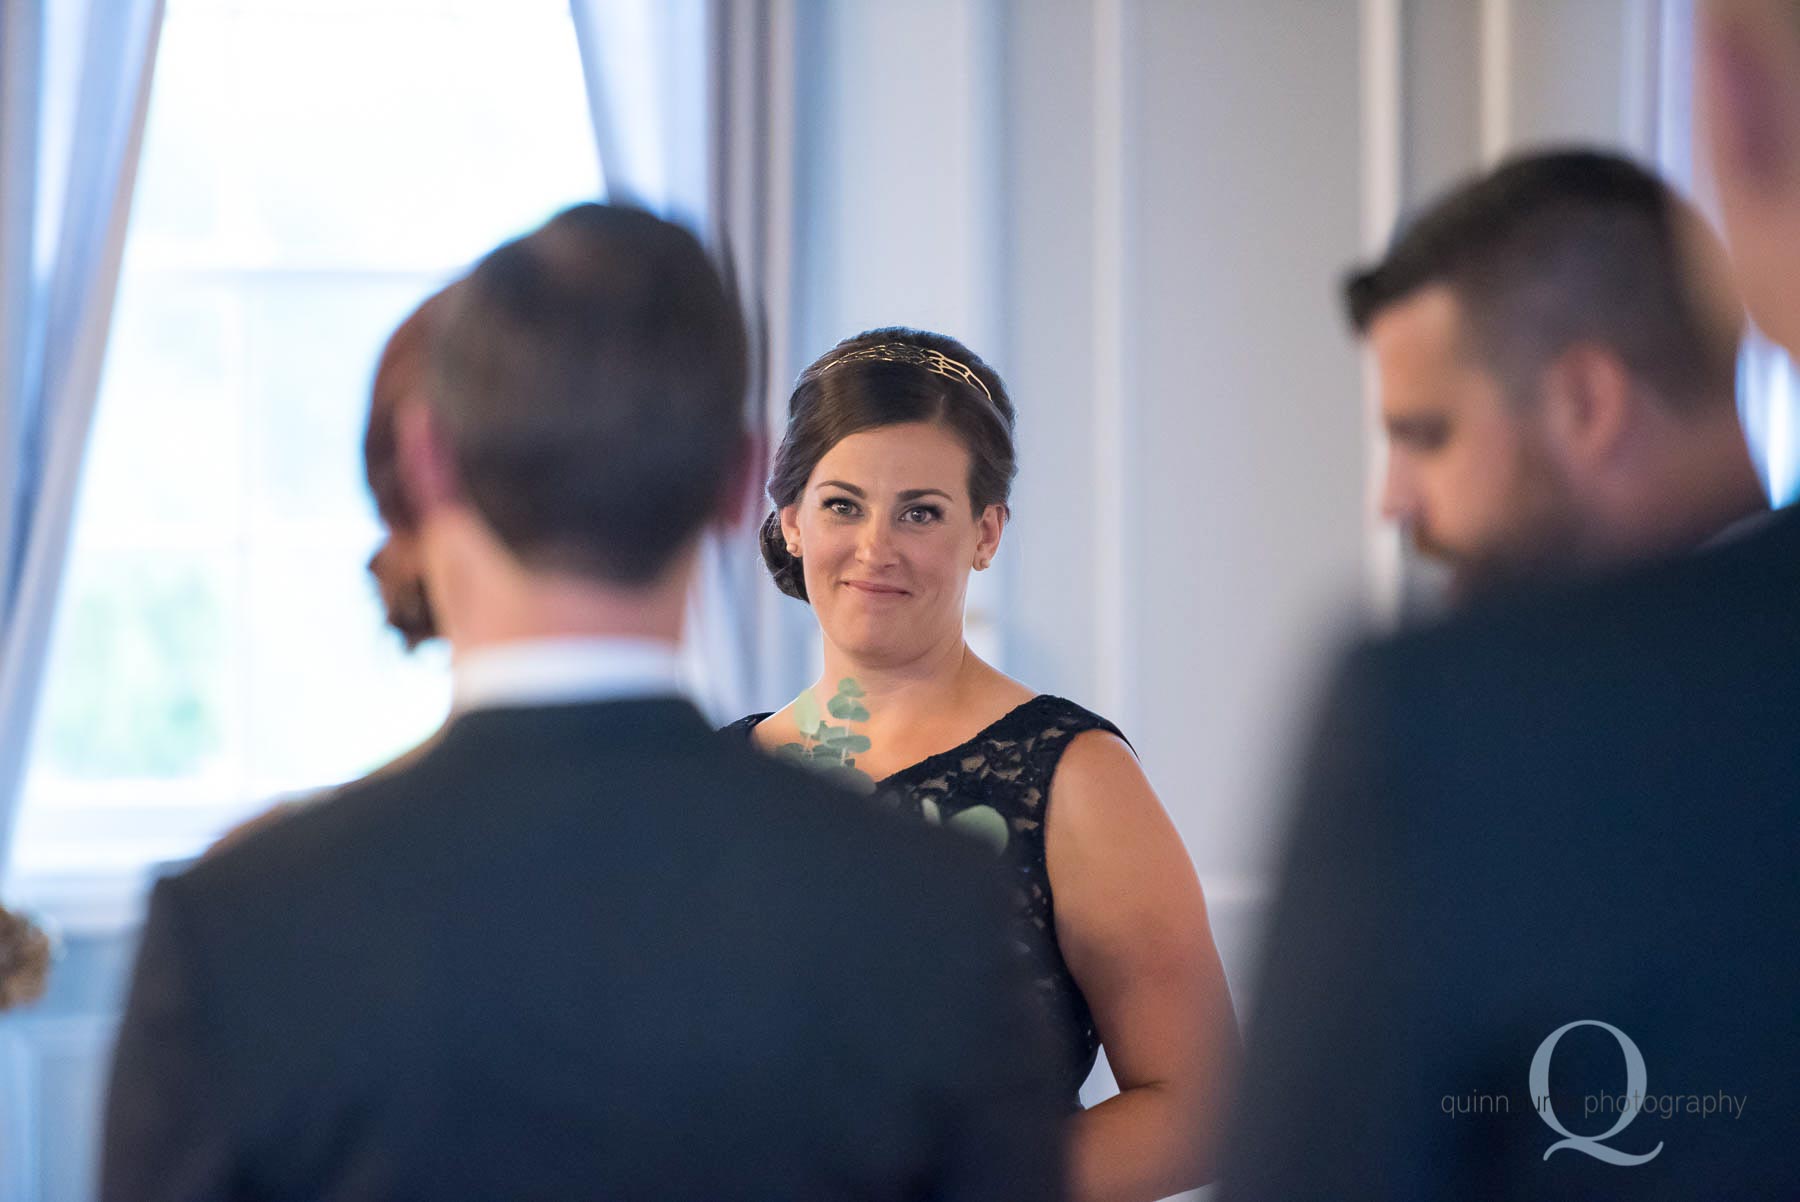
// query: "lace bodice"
[[995, 787]]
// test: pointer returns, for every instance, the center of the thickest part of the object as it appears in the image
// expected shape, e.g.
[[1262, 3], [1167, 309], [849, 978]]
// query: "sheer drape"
[[694, 117], [74, 88]]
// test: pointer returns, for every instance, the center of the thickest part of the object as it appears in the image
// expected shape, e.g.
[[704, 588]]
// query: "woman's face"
[[886, 534]]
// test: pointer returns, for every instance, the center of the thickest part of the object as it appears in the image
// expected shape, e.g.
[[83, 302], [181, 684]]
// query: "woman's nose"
[[875, 545]]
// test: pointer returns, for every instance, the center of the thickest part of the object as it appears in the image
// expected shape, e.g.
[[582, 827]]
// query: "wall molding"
[[1496, 94], [1112, 450], [1383, 169]]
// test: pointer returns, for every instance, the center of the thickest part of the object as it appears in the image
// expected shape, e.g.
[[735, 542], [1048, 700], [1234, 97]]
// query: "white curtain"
[[74, 88], [1768, 386], [694, 117]]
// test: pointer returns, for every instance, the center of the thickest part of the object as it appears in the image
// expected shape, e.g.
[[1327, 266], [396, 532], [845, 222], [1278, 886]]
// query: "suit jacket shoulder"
[[1582, 808], [587, 951]]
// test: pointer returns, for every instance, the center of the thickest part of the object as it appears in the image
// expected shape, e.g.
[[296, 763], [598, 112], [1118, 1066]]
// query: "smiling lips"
[[869, 588]]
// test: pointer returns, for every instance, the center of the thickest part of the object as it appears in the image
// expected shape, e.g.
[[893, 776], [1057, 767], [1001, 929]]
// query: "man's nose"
[[1399, 494]]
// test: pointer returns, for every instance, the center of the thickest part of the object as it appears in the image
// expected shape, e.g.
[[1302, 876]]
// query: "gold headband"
[[903, 352]]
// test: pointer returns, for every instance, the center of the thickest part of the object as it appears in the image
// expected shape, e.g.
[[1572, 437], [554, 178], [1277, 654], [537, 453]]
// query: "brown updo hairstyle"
[[399, 375], [889, 377]]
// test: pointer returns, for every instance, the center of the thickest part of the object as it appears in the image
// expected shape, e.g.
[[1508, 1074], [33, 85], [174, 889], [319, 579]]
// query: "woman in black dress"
[[889, 487]]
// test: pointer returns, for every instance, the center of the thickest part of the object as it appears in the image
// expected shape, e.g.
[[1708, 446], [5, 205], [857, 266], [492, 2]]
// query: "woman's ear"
[[790, 528], [990, 525]]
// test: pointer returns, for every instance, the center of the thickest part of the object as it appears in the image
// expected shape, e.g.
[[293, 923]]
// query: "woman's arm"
[[1132, 924]]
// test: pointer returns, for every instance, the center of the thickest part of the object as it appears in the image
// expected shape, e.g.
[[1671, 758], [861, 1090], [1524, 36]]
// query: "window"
[[311, 169], [1769, 398]]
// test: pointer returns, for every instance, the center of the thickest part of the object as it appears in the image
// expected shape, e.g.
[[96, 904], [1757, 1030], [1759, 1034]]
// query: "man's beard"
[[1545, 555]]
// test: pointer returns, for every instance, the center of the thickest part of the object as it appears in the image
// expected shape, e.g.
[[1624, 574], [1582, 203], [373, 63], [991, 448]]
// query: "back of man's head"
[[589, 381], [1573, 246]]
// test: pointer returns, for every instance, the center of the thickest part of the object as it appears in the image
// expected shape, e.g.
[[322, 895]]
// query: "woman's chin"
[[879, 645]]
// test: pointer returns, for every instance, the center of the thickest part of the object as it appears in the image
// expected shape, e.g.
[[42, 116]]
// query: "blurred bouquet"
[[25, 955]]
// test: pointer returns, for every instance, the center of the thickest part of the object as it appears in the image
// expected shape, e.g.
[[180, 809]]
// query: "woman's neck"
[[904, 693]]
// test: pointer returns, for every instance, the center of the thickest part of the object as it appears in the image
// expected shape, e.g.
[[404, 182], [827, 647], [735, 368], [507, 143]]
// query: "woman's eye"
[[842, 506], [920, 515]]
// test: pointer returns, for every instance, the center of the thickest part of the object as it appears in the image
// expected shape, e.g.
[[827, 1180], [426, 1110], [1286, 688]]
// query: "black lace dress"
[[995, 787]]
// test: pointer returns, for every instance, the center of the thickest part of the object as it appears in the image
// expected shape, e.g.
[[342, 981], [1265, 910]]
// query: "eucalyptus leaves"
[[833, 749], [829, 748]]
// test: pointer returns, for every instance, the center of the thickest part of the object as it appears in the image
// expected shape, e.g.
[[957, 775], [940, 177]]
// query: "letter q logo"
[[1635, 1080]]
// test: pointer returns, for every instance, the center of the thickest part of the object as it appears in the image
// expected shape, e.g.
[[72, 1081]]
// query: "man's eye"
[[1421, 437]]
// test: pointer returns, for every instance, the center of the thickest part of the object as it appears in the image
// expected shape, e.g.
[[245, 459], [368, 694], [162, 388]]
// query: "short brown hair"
[[590, 378], [1560, 246]]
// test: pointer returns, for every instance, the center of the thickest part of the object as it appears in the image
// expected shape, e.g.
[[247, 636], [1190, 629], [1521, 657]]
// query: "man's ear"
[[738, 487], [1588, 396], [427, 470]]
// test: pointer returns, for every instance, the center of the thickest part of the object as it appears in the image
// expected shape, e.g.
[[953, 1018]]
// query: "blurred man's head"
[[1556, 343], [583, 421], [1749, 70]]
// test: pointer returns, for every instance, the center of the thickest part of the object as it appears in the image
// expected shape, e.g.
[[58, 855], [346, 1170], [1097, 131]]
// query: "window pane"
[[309, 409], [142, 684], [169, 395], [311, 170], [333, 693], [180, 201], [399, 137]]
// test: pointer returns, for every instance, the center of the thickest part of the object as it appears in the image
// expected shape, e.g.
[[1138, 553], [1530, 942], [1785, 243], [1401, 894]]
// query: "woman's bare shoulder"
[[778, 728]]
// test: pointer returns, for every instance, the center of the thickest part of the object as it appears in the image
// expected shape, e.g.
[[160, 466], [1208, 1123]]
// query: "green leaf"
[[806, 714], [822, 754], [791, 751], [849, 744], [828, 732], [847, 708], [982, 824], [848, 687]]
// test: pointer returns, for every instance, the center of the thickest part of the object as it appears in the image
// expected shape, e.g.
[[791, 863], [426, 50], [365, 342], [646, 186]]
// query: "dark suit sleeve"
[[1314, 1115], [165, 1137], [1006, 1138]]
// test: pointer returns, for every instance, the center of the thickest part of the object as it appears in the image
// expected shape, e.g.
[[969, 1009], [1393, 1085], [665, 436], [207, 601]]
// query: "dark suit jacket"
[[589, 951], [1583, 807]]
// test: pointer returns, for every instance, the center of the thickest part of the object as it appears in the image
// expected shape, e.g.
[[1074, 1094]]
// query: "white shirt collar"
[[564, 671]]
